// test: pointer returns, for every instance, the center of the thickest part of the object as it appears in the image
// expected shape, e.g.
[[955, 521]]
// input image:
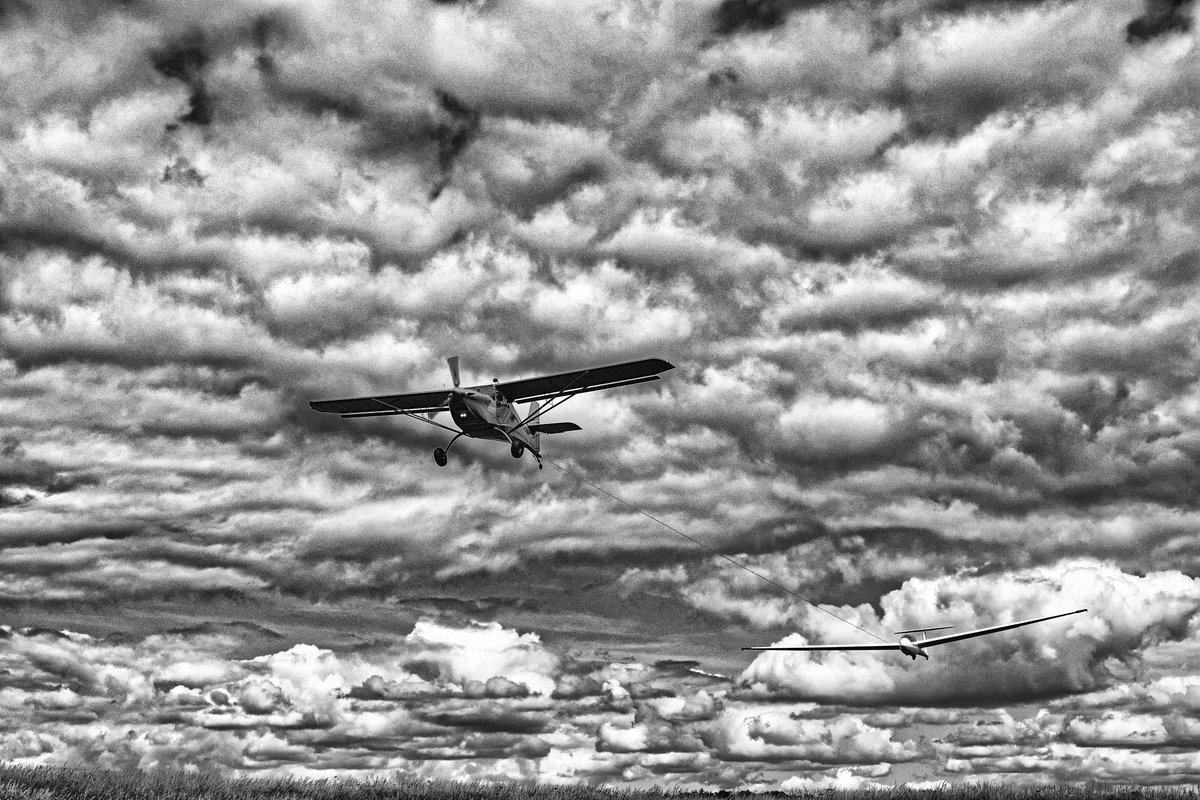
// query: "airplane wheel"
[[517, 450], [439, 456]]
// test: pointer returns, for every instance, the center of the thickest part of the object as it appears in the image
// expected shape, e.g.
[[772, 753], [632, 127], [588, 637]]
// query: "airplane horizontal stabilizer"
[[554, 427], [924, 630]]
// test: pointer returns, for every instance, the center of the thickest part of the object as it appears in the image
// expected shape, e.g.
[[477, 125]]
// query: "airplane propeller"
[[452, 361]]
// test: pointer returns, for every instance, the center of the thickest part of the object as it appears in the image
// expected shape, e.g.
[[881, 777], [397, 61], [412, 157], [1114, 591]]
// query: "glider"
[[913, 648], [489, 411]]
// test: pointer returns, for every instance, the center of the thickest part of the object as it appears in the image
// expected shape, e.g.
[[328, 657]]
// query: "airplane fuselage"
[[485, 414]]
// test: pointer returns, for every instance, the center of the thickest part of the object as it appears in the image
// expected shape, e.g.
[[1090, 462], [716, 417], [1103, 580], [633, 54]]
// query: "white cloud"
[[622, 740], [835, 428], [841, 780], [480, 652], [774, 736]]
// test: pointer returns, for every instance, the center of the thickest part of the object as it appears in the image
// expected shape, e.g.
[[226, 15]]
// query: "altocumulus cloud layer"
[[929, 273]]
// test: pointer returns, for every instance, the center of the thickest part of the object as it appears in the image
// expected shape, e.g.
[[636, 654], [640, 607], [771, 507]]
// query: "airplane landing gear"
[[439, 455], [517, 449]]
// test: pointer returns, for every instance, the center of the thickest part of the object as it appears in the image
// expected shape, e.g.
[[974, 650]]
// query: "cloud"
[[924, 269], [301, 696], [773, 736], [185, 61], [1161, 17], [484, 652], [844, 779], [1161, 694], [734, 16], [285, 708], [1064, 762], [862, 303]]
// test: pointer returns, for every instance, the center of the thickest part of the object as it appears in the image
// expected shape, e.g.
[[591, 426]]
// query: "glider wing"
[[955, 637], [832, 647]]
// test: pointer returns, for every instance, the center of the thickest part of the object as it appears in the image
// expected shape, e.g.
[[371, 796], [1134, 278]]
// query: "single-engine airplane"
[[913, 648], [489, 411]]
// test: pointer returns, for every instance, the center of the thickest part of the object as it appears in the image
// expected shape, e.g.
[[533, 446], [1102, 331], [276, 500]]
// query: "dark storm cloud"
[[408, 126], [733, 16], [452, 136], [186, 61], [1161, 17], [495, 719], [850, 310]]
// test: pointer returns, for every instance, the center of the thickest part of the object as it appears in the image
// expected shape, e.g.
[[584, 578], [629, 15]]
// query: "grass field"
[[51, 783]]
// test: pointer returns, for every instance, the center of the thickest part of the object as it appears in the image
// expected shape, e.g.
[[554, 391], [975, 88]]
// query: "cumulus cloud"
[[773, 736], [294, 698], [843, 779], [926, 271]]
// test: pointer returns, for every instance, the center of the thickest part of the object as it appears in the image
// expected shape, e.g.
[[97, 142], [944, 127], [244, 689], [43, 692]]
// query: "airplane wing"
[[384, 404], [955, 637], [584, 380], [832, 647]]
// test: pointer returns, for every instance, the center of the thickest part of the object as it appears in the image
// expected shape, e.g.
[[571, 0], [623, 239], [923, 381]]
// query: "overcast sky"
[[928, 270]]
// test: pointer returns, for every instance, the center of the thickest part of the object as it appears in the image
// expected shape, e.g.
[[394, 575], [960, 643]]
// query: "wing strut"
[[554, 402], [400, 412], [428, 421]]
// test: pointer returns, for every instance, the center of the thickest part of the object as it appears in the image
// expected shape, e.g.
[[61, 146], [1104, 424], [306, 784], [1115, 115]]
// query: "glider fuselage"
[[911, 649]]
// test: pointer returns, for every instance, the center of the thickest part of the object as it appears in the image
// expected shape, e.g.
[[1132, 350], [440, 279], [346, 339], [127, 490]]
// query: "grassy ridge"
[[56, 783]]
